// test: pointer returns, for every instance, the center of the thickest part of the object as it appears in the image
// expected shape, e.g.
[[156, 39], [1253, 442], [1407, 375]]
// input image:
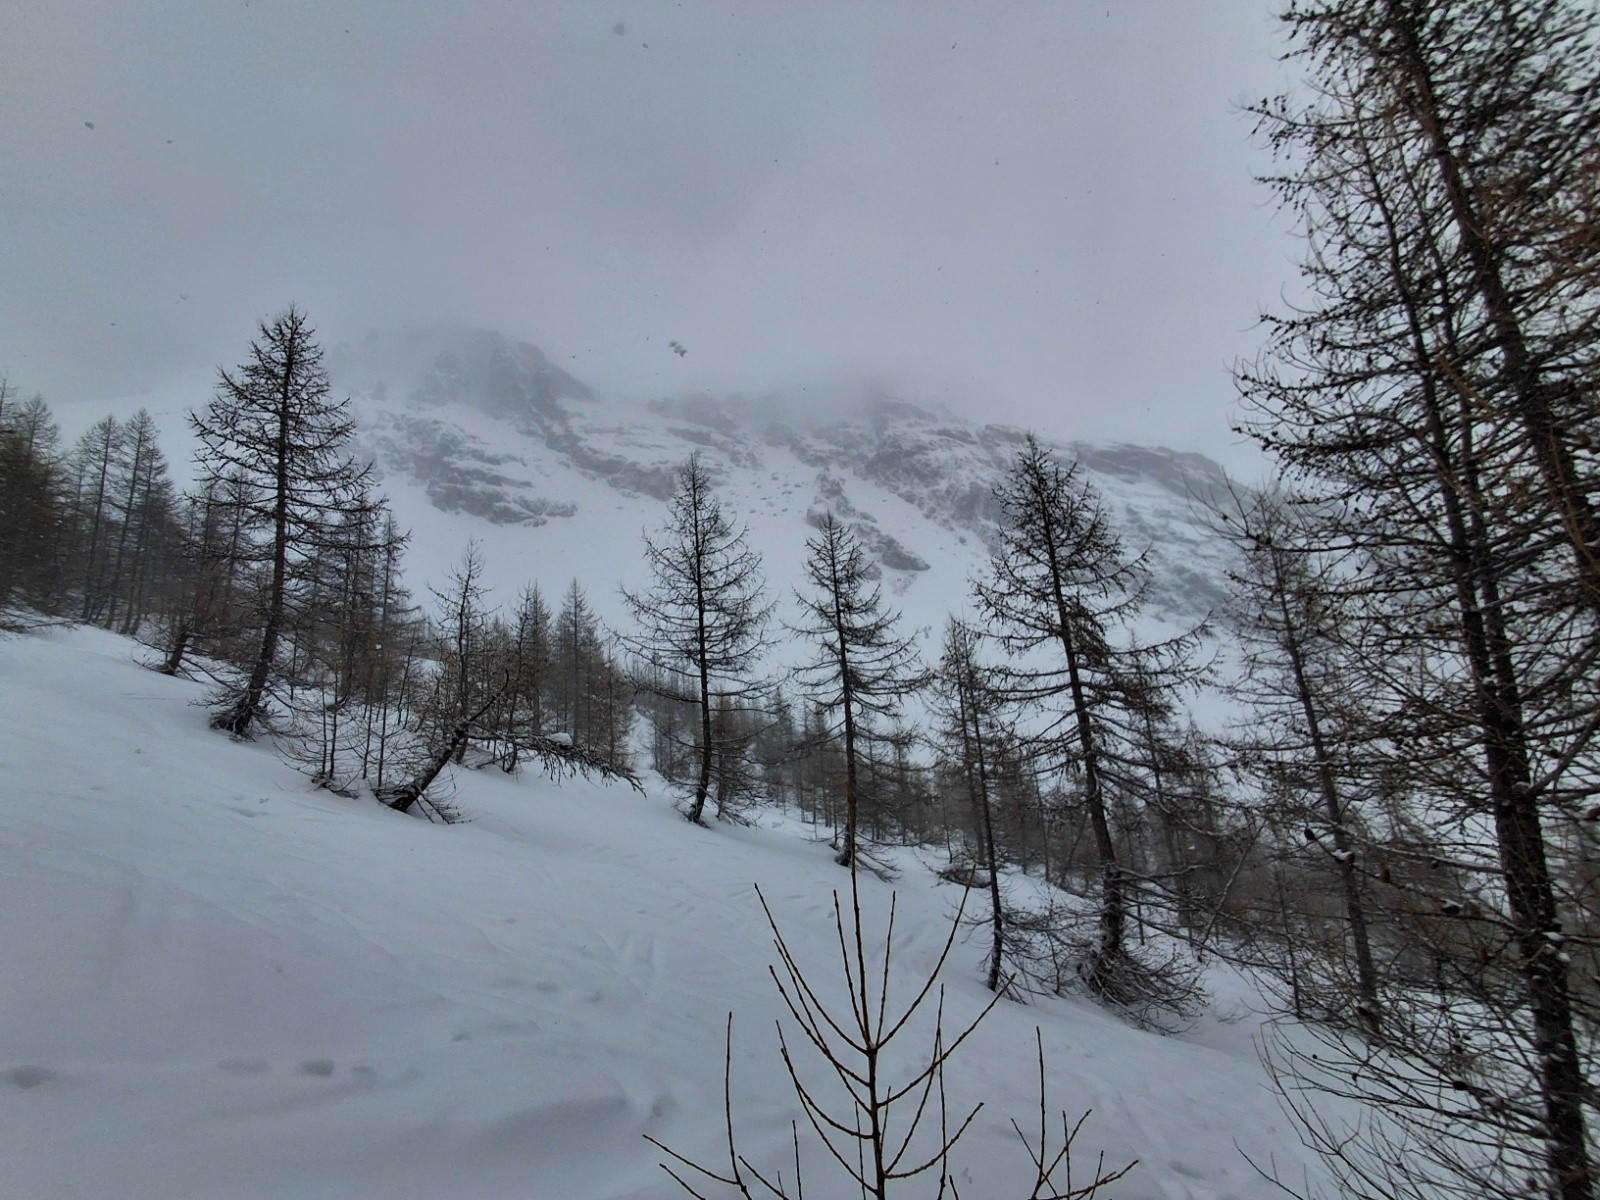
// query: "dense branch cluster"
[[1421, 595]]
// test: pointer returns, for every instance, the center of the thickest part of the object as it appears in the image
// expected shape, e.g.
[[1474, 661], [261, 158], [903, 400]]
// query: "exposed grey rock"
[[459, 474], [944, 467], [882, 546], [514, 380]]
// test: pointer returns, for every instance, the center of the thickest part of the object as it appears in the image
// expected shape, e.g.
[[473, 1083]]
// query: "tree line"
[[279, 578]]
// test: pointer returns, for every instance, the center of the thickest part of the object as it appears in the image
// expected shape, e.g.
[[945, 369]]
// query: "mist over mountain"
[[479, 435]]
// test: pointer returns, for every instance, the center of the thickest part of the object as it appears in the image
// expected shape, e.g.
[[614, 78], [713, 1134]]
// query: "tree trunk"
[[403, 797], [1343, 845]]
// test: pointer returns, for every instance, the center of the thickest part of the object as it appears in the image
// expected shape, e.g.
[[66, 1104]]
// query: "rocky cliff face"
[[491, 431]]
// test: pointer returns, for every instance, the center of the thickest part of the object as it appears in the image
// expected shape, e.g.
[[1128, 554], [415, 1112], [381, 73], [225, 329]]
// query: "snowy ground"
[[220, 983]]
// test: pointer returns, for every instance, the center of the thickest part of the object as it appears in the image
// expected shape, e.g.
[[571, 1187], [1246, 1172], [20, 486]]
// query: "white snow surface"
[[220, 982]]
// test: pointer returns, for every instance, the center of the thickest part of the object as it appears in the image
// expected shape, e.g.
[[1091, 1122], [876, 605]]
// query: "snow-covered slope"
[[219, 983], [478, 436]]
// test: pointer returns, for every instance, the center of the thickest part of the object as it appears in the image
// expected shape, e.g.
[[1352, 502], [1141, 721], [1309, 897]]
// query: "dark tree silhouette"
[[862, 667], [1432, 402], [970, 706], [702, 621], [1059, 594], [32, 506], [274, 427]]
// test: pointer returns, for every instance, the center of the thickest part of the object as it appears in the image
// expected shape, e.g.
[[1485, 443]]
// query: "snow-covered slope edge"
[[221, 983]]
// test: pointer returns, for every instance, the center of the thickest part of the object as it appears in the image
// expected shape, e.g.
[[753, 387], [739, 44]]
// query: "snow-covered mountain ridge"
[[490, 435]]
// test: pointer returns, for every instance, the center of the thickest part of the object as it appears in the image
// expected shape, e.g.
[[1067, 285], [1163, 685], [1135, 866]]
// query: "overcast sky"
[[1036, 212]]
